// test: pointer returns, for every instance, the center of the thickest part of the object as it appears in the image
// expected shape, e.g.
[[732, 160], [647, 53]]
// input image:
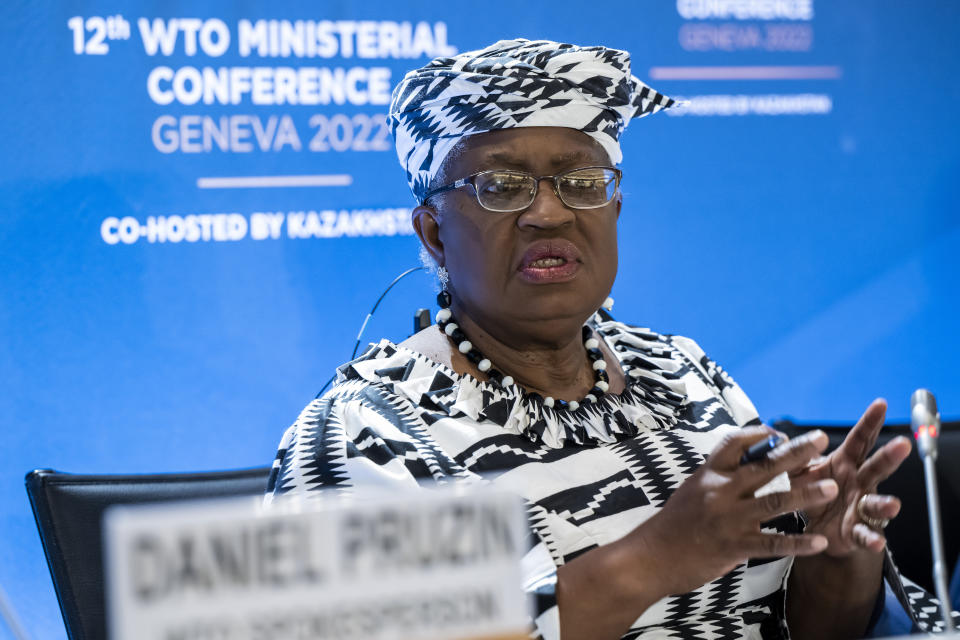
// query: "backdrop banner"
[[201, 202]]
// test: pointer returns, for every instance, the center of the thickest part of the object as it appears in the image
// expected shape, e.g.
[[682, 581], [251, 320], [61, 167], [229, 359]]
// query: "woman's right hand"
[[712, 521]]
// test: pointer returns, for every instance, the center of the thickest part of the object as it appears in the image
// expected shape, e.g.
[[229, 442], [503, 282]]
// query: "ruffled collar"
[[652, 399]]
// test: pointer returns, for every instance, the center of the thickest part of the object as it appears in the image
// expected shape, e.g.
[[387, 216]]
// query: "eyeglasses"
[[506, 191]]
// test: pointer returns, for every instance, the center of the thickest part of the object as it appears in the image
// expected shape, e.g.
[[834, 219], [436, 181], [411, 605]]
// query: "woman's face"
[[534, 274]]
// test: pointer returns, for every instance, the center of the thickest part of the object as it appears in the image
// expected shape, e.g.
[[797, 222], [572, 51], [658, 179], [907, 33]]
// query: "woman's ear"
[[426, 224]]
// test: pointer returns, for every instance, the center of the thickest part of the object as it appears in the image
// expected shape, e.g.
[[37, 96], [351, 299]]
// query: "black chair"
[[908, 535], [68, 509]]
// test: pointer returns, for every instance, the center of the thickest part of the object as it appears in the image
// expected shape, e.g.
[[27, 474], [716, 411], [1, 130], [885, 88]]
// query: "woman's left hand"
[[844, 521]]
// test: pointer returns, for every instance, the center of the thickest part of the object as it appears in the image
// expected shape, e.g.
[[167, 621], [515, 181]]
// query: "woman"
[[625, 443]]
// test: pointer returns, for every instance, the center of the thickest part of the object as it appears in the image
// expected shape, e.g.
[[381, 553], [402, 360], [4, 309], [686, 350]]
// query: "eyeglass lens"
[[512, 191]]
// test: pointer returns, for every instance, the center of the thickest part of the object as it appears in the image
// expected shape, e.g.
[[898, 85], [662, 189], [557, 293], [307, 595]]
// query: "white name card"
[[431, 564]]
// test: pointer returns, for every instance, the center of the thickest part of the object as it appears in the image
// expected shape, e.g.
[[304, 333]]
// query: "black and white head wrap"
[[514, 83]]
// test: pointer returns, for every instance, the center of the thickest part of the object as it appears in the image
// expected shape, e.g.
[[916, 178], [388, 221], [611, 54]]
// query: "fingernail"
[[819, 543], [829, 488]]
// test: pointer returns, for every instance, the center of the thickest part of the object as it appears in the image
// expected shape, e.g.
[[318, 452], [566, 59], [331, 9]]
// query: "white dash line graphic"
[[257, 182], [746, 73]]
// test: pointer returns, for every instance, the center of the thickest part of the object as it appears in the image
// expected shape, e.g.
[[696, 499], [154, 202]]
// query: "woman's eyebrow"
[[506, 158], [503, 158], [570, 157]]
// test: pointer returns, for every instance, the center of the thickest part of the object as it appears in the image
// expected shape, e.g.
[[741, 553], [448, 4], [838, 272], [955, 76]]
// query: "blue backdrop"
[[167, 304]]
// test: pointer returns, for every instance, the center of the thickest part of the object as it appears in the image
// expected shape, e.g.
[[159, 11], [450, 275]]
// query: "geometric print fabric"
[[397, 419]]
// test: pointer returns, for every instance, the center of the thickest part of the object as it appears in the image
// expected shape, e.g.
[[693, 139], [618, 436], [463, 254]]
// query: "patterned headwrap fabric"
[[514, 83]]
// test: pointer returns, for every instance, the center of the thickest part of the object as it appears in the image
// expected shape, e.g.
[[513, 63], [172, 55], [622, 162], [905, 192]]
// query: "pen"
[[760, 450]]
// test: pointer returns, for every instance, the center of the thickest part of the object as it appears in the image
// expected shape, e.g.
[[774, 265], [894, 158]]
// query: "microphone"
[[925, 423]]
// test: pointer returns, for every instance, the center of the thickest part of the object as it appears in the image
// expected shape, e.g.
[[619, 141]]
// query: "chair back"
[[68, 509]]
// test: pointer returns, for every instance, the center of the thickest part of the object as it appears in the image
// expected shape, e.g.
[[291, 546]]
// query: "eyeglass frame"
[[555, 179]]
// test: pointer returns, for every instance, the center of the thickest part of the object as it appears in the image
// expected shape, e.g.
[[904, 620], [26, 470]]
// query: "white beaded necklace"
[[601, 382]]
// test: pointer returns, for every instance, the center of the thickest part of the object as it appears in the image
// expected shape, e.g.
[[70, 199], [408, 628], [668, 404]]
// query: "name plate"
[[431, 564]]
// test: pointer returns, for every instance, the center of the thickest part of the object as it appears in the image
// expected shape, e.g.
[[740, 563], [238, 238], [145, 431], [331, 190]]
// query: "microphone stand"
[[925, 424], [936, 538]]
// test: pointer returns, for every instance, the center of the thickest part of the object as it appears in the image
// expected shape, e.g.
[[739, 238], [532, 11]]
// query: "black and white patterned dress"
[[398, 419]]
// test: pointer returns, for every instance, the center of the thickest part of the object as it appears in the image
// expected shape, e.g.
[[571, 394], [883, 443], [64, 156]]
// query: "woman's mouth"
[[549, 261]]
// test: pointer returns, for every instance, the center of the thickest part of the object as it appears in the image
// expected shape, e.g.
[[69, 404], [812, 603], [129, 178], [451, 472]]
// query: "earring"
[[443, 276], [443, 298]]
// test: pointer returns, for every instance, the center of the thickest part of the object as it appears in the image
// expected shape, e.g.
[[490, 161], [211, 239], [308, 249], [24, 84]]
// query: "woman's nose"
[[546, 211]]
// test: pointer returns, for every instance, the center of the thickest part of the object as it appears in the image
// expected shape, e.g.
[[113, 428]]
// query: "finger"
[[879, 507], [884, 462], [769, 545], [774, 504], [788, 456], [863, 435], [868, 538], [726, 455], [813, 471]]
